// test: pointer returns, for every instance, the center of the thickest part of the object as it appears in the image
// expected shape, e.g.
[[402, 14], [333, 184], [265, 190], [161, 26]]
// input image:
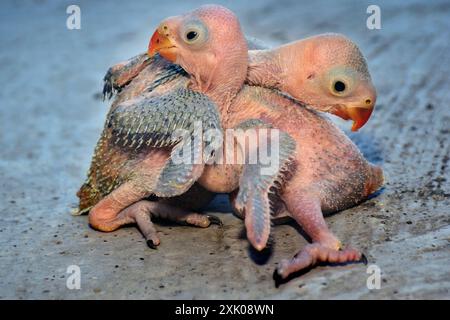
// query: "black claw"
[[277, 278], [107, 90], [151, 244], [215, 220], [363, 259]]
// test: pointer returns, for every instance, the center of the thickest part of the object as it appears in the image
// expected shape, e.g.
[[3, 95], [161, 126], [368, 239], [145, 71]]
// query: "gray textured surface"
[[51, 117]]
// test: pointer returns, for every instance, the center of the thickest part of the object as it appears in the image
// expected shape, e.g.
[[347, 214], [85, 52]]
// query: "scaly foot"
[[314, 254], [143, 211]]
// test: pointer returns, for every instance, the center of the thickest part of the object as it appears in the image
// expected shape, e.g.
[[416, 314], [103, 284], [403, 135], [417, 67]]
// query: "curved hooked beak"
[[360, 113], [161, 43]]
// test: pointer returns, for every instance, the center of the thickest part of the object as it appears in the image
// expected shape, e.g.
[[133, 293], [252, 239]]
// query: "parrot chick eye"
[[194, 33], [340, 81], [339, 86], [191, 35]]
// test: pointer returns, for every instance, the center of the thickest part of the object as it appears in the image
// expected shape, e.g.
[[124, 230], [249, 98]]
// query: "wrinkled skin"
[[328, 173]]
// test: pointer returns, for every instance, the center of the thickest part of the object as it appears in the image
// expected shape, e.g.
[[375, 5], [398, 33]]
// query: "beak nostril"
[[368, 101]]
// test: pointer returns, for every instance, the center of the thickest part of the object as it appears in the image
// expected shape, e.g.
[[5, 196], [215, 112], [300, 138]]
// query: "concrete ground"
[[51, 115]]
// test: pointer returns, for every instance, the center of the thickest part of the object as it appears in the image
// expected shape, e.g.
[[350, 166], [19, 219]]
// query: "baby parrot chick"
[[327, 72], [305, 195], [328, 173]]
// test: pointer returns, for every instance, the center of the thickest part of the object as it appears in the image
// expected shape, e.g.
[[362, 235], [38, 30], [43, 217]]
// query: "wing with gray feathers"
[[177, 119]]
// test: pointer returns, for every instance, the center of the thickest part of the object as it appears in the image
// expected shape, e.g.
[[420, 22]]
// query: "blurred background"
[[51, 115]]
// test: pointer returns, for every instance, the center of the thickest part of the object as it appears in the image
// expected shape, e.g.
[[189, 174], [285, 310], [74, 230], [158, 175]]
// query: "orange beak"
[[161, 43], [359, 115]]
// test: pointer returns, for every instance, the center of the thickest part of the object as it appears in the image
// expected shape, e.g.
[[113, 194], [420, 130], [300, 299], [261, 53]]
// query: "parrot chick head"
[[207, 43], [329, 73]]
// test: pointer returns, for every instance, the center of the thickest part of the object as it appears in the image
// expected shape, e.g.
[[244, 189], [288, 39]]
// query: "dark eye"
[[339, 86], [191, 35]]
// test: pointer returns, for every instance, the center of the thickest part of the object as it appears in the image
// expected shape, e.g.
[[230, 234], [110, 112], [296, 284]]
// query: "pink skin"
[[308, 68], [330, 172], [218, 66]]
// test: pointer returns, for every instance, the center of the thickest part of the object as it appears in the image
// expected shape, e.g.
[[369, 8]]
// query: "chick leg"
[[325, 246], [143, 211], [124, 206]]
